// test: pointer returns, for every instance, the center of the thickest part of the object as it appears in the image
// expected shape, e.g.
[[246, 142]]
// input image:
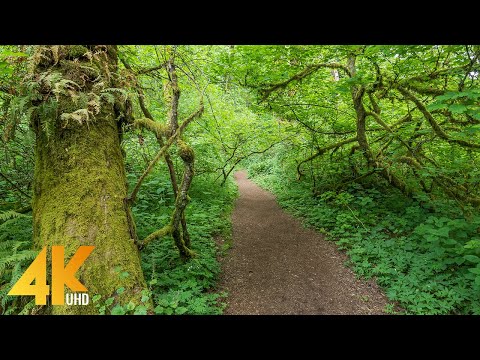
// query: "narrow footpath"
[[276, 266]]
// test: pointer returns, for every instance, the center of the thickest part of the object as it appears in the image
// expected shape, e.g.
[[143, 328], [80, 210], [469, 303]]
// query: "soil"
[[276, 266]]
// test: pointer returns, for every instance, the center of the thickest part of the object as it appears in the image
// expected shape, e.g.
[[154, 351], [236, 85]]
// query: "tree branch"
[[322, 151], [309, 70], [164, 149], [15, 186], [436, 128]]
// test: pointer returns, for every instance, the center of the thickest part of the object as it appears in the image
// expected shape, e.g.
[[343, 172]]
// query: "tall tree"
[[80, 185]]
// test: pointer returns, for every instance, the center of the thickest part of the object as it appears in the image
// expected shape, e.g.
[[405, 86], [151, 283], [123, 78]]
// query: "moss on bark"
[[79, 191]]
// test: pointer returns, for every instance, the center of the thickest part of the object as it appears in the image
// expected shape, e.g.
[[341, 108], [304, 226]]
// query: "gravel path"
[[276, 266]]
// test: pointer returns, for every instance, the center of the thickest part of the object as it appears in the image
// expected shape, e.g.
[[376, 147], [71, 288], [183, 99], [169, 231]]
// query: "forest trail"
[[276, 266]]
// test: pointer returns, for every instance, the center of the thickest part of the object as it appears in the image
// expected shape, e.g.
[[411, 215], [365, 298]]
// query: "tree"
[[80, 186]]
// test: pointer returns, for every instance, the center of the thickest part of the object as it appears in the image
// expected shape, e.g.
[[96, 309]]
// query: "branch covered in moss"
[[163, 150], [175, 96], [157, 128], [435, 126], [143, 71], [166, 230], [183, 240], [451, 187], [309, 70], [154, 128]]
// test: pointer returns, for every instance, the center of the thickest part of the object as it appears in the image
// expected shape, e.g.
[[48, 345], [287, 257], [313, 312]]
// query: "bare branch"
[[322, 151]]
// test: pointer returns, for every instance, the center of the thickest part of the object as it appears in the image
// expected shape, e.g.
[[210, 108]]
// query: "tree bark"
[[80, 182]]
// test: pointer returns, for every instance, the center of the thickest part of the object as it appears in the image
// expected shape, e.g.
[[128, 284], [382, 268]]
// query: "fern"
[[9, 214], [122, 93], [16, 255]]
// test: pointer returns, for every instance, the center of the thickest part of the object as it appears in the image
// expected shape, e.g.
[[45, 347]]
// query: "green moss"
[[157, 128], [79, 192], [166, 230], [185, 152], [76, 51]]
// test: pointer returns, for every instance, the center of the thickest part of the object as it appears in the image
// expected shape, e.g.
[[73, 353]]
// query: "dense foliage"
[[377, 146]]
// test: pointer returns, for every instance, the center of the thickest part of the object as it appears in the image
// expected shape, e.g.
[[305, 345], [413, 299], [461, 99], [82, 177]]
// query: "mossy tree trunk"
[[79, 181]]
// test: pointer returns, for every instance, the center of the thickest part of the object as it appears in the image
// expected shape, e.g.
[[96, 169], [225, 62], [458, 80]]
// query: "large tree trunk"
[[79, 181]]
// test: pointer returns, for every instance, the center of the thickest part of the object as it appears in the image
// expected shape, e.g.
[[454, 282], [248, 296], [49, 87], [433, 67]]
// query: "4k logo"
[[61, 275]]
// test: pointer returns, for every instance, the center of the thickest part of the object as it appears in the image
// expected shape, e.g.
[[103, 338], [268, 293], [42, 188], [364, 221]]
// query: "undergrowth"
[[424, 253], [176, 287], [16, 255], [180, 287]]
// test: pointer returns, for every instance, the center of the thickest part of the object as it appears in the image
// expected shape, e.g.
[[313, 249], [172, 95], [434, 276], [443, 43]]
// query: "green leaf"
[[475, 270], [159, 310], [118, 310], [145, 298], [181, 310], [472, 258], [120, 290], [96, 297], [130, 306], [140, 310], [457, 108], [436, 106], [169, 311], [6, 53], [109, 301], [124, 274]]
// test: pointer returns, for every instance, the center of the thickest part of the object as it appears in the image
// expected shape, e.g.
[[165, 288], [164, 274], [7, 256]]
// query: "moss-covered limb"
[[385, 146], [434, 125], [163, 151], [405, 119], [357, 97], [174, 95], [157, 128], [185, 233], [374, 103], [80, 186], [395, 181], [144, 71], [436, 74], [322, 151], [450, 186], [423, 90], [410, 161], [309, 70], [187, 155], [159, 135], [379, 120], [166, 230]]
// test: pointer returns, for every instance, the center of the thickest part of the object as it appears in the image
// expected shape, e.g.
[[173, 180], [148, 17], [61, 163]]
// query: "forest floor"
[[276, 266]]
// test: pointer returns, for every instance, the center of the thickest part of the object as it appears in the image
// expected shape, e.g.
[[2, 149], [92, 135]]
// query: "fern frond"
[[10, 214]]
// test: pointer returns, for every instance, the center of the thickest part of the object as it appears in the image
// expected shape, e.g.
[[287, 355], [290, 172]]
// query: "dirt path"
[[276, 266]]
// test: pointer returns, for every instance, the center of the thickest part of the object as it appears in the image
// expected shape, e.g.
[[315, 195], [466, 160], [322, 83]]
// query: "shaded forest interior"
[[133, 149]]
